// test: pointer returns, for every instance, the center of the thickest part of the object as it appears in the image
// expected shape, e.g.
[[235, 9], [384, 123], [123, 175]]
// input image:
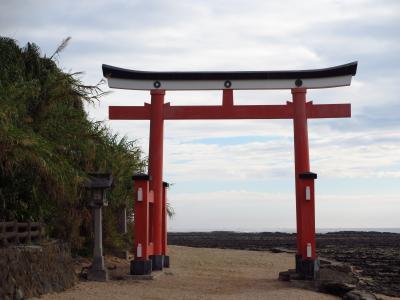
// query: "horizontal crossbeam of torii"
[[157, 112], [229, 111]]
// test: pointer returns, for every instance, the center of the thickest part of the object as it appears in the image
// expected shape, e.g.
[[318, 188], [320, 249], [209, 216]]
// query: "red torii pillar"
[[153, 219], [156, 173], [306, 261]]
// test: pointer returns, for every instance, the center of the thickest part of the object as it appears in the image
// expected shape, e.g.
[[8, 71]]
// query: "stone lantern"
[[96, 187]]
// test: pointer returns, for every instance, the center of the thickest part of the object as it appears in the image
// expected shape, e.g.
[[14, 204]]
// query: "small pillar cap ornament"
[[141, 176], [308, 175]]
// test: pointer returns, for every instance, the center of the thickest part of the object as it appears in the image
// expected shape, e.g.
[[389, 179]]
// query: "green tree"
[[48, 146]]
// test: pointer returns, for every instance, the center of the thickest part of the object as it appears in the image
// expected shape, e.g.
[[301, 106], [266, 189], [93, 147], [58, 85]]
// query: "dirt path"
[[374, 254], [198, 273]]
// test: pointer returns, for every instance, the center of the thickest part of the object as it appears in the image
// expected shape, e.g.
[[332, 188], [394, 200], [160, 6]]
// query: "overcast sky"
[[239, 175]]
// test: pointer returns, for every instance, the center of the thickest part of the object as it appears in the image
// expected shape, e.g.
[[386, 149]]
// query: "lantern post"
[[96, 187]]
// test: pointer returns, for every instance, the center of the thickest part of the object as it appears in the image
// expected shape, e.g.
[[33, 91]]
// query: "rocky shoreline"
[[375, 256]]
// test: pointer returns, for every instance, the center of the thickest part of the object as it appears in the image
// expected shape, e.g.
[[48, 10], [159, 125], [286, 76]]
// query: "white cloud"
[[333, 155], [255, 211], [241, 35]]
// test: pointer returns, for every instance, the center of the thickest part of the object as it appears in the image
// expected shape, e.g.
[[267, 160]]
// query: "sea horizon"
[[289, 230]]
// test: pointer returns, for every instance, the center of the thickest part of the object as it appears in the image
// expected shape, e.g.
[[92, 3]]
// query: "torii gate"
[[150, 247]]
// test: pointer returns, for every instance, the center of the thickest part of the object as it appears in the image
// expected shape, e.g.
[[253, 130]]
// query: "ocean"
[[287, 230]]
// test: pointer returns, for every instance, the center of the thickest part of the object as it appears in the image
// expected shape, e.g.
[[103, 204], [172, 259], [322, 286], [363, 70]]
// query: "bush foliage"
[[48, 146]]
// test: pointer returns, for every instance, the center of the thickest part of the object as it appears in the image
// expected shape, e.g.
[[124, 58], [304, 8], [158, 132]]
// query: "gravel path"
[[375, 255], [198, 273]]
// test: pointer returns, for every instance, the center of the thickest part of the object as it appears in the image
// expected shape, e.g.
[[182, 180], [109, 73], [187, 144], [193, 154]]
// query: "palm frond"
[[61, 47]]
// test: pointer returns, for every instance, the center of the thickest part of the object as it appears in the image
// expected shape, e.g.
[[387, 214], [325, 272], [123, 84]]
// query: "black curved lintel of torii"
[[190, 80]]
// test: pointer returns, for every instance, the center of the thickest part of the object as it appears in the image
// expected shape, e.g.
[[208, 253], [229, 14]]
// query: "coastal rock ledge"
[[32, 270]]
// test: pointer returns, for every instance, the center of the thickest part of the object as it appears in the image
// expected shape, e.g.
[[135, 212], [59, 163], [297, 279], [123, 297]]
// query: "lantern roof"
[[99, 180]]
